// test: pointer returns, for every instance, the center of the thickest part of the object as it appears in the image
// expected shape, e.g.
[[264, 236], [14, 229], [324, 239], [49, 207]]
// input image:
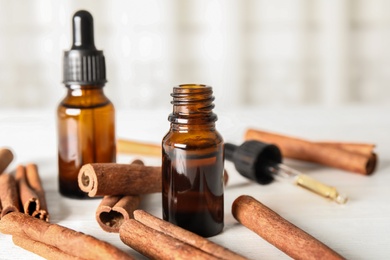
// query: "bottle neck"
[[84, 87], [192, 107]]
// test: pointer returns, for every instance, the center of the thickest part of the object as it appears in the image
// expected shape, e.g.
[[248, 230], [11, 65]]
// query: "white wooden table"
[[358, 230]]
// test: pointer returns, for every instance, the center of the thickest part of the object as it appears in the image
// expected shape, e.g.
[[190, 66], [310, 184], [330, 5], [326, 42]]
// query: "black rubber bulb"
[[254, 159], [83, 36], [83, 63]]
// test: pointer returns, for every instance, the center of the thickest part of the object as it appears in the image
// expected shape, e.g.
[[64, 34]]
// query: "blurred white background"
[[253, 52]]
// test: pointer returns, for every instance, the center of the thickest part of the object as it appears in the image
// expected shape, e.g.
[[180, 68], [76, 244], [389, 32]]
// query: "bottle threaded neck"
[[192, 104]]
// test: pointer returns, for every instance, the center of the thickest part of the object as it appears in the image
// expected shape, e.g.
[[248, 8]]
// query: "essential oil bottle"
[[193, 163], [85, 117]]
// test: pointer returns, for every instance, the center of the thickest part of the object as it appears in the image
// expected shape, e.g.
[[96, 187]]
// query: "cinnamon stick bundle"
[[278, 231], [6, 157], [156, 245], [185, 236], [358, 158], [114, 210], [169, 241], [9, 197], [31, 192], [45, 236]]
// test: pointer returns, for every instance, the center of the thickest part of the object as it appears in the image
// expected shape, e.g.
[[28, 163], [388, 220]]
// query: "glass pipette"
[[283, 172], [261, 162]]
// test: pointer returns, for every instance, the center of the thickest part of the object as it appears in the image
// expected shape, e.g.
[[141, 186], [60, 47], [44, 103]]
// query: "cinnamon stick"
[[103, 179], [35, 183], [9, 197], [156, 245], [6, 157], [99, 179], [28, 197], [31, 192], [278, 231], [139, 148], [185, 236], [41, 249], [64, 239], [361, 148], [358, 158]]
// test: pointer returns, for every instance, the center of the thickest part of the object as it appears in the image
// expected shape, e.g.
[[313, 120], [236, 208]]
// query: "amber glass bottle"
[[193, 163], [86, 117]]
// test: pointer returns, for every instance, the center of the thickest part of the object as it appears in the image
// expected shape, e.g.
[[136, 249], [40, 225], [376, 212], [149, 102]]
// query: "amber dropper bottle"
[[193, 163], [85, 117]]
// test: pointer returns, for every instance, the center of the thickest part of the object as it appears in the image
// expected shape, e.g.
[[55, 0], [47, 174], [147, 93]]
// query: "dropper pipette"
[[262, 163]]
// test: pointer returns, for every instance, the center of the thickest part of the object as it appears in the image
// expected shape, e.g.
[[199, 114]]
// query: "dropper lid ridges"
[[83, 63], [252, 159]]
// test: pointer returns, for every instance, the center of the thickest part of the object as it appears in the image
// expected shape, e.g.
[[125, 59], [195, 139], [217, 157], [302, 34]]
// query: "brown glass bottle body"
[[193, 163], [86, 134]]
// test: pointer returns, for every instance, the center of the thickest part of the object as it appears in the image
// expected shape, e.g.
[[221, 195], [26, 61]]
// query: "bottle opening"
[[192, 101], [187, 93], [192, 86]]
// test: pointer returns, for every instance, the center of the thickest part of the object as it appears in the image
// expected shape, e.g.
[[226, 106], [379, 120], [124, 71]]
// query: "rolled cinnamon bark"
[[185, 236], [28, 197], [355, 158], [31, 192], [66, 240], [35, 183], [9, 197], [156, 245], [113, 211], [43, 250], [140, 148], [279, 232], [97, 179], [6, 157]]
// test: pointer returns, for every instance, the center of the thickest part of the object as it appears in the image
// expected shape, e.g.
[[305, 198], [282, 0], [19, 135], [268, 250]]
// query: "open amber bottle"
[[85, 117], [193, 163]]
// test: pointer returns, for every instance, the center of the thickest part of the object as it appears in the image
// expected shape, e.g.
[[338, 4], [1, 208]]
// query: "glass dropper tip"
[[341, 199]]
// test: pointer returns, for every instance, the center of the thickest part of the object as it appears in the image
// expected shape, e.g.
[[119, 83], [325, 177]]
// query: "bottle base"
[[202, 226], [74, 194]]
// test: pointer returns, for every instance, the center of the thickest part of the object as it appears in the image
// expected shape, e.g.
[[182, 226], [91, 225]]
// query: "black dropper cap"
[[83, 63], [253, 159]]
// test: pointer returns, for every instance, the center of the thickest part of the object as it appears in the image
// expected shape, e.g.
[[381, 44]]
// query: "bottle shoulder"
[[64, 104], [85, 98], [193, 138]]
